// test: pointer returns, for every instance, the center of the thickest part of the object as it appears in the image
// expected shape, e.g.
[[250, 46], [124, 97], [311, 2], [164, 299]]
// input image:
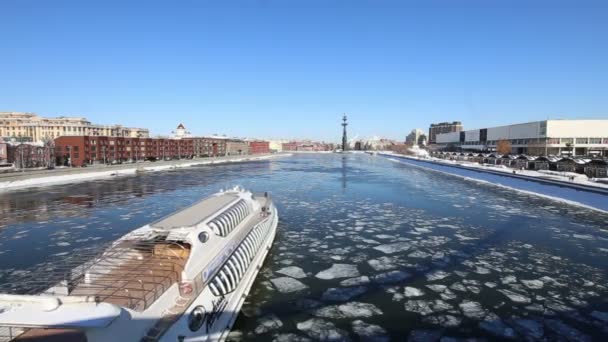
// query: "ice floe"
[[362, 280], [322, 330], [437, 275], [533, 284], [268, 323], [348, 310], [384, 263], [369, 332], [292, 271], [339, 271], [472, 310], [288, 285], [393, 248], [413, 292], [515, 297], [391, 277]]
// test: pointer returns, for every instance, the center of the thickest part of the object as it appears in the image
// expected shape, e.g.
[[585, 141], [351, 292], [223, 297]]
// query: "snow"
[[339, 271], [343, 293], [292, 271], [288, 285], [322, 330], [348, 310]]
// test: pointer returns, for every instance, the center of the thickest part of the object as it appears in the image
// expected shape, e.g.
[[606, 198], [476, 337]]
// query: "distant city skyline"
[[288, 70]]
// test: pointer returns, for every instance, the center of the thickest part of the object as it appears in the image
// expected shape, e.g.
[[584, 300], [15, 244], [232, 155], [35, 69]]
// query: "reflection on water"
[[365, 248]]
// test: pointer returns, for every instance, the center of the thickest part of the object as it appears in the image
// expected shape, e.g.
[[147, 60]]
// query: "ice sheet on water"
[[391, 277], [457, 286], [393, 247], [472, 310], [515, 297], [533, 284], [348, 310], [510, 279], [288, 285], [419, 254], [413, 292], [384, 263], [341, 294], [292, 271], [268, 323], [362, 280], [289, 338], [437, 288], [322, 330], [436, 275], [446, 321], [422, 307], [369, 332], [339, 271]]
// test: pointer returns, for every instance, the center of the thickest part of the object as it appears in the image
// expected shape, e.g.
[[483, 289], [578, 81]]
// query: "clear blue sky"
[[289, 68]]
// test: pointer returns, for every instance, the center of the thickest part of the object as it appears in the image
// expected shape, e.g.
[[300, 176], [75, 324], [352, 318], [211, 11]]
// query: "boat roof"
[[196, 213]]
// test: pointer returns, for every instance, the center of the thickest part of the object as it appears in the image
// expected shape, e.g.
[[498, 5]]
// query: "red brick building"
[[259, 147], [86, 150], [290, 146]]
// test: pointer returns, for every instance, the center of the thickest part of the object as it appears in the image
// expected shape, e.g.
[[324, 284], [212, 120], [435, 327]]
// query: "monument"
[[344, 141]]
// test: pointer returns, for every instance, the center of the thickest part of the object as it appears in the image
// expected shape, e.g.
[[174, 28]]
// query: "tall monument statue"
[[344, 141]]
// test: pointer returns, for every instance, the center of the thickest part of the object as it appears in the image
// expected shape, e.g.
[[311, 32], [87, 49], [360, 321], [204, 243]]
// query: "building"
[[290, 146], [416, 137], [236, 147], [88, 150], [258, 147], [29, 127], [547, 137], [442, 128], [3, 152], [181, 132]]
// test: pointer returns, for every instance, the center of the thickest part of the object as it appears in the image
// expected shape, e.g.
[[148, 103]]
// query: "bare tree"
[[503, 147]]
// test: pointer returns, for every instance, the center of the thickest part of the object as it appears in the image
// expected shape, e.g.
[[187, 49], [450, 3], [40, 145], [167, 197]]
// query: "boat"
[[181, 278]]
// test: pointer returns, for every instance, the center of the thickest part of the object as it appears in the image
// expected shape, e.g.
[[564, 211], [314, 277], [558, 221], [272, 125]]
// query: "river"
[[371, 248]]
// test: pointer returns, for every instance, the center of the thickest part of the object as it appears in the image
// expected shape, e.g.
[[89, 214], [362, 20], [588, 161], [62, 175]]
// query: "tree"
[[503, 147]]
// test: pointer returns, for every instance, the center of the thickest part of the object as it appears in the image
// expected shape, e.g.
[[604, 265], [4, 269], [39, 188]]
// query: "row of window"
[[229, 276], [551, 141], [223, 224]]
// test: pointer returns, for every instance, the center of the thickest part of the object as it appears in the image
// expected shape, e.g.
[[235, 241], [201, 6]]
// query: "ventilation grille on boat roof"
[[224, 223], [229, 276]]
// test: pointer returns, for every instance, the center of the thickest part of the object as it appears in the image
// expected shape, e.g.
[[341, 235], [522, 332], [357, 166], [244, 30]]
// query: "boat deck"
[[196, 213]]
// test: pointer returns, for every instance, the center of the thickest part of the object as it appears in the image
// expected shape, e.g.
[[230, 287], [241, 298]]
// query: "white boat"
[[182, 278]]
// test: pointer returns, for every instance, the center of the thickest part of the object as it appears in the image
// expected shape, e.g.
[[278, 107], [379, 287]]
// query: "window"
[[582, 140], [595, 140], [553, 141], [567, 140]]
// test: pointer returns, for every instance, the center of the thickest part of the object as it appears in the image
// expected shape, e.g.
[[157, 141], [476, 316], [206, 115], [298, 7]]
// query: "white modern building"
[[547, 137], [416, 137]]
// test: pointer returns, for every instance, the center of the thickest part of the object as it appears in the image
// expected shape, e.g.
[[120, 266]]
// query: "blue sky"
[[290, 68]]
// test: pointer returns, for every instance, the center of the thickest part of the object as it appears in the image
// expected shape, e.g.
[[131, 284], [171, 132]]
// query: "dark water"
[[366, 248]]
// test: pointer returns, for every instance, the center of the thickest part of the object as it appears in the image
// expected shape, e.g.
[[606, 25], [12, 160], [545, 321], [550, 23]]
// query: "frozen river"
[[366, 248]]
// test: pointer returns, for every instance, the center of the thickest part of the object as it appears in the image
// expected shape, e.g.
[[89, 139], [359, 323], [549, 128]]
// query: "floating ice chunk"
[[419, 254], [369, 332], [63, 244], [496, 327], [458, 287], [391, 277], [436, 275], [583, 236], [292, 271], [472, 310], [393, 247], [422, 307], [322, 330], [383, 263], [339, 271], [490, 284], [508, 279], [446, 321], [413, 292], [437, 288], [348, 310], [385, 236], [288, 285], [362, 280], [440, 305], [482, 270], [268, 323], [464, 238], [529, 328], [516, 297], [533, 284], [343, 293]]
